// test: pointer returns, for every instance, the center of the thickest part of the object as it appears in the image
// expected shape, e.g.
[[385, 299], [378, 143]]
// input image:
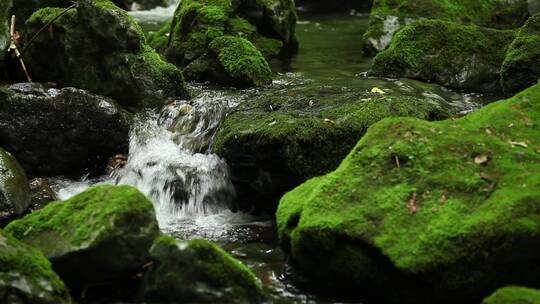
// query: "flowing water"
[[171, 158]]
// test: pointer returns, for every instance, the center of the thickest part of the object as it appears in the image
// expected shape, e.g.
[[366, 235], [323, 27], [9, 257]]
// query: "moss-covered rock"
[[99, 48], [26, 276], [64, 131], [464, 57], [14, 187], [520, 68], [23, 9], [514, 295], [231, 61], [269, 25], [198, 272], [97, 237], [273, 143], [4, 28], [442, 211], [388, 16]]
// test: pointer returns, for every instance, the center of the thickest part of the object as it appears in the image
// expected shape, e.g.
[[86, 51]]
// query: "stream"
[[171, 158]]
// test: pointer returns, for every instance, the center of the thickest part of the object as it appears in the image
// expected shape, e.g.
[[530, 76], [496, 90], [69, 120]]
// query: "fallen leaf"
[[519, 143], [481, 159], [329, 121], [377, 91]]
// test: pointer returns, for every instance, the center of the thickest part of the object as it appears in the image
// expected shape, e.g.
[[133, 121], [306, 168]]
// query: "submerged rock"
[[268, 25], [520, 68], [444, 212], [100, 236], [14, 187], [63, 131], [26, 276], [198, 272], [514, 295], [387, 17], [274, 143], [99, 48], [231, 61], [463, 57]]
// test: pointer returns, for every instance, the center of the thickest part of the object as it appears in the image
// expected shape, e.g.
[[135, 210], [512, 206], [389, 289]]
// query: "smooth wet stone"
[[198, 271], [61, 131], [100, 48], [26, 276], [14, 187], [98, 237], [443, 212]]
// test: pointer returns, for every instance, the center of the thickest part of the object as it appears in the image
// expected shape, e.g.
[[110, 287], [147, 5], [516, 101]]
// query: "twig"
[[67, 9], [14, 36]]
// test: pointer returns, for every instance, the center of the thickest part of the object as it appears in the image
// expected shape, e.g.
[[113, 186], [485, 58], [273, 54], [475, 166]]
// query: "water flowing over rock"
[[26, 276], [100, 48], [198, 272], [14, 187], [64, 131], [100, 236]]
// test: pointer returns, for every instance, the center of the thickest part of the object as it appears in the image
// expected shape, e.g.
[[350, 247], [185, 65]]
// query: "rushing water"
[[171, 159]]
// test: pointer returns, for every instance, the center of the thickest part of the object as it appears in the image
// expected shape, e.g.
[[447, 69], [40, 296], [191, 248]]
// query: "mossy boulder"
[[97, 237], [273, 143], [23, 9], [26, 276], [389, 16], [4, 28], [520, 68], [198, 271], [514, 295], [64, 131], [463, 57], [99, 48], [444, 212], [268, 25], [14, 187], [233, 61]]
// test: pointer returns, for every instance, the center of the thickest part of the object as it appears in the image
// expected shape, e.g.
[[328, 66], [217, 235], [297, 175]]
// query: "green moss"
[[450, 204], [22, 263], [241, 60], [520, 69], [77, 220], [4, 27], [514, 295], [450, 54], [198, 271]]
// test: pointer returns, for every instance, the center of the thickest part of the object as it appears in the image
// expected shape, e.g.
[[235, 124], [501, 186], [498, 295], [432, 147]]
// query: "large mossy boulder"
[[97, 237], [514, 295], [463, 57], [23, 9], [274, 143], [64, 131], [99, 48], [444, 212], [389, 16], [520, 68], [14, 187], [268, 25], [233, 61], [198, 271], [26, 276]]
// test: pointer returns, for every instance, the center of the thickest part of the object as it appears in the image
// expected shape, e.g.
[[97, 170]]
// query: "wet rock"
[[231, 61], [514, 295], [14, 188], [520, 68], [198, 272], [100, 236], [62, 131], [269, 25], [443, 212], [99, 48], [388, 17], [273, 143], [26, 276], [457, 56], [41, 193]]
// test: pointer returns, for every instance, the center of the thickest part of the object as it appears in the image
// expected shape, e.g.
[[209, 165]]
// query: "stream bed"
[[171, 158]]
